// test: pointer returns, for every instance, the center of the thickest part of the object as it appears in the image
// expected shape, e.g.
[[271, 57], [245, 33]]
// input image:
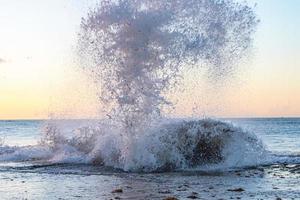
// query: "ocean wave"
[[171, 145]]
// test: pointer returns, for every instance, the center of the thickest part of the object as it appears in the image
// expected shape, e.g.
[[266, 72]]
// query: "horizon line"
[[203, 117]]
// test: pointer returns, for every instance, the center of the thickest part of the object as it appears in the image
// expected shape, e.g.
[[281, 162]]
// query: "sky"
[[39, 76]]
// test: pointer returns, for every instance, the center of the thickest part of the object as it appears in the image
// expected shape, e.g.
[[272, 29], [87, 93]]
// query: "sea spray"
[[137, 49], [172, 145]]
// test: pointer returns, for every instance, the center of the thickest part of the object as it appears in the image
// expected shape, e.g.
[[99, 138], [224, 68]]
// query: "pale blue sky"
[[38, 38]]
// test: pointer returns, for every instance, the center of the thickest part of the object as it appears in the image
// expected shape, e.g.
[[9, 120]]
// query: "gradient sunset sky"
[[39, 75]]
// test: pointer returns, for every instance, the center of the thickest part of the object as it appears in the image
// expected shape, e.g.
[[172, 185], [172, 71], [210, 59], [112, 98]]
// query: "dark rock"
[[97, 161], [236, 190], [261, 169], [192, 197], [208, 147], [164, 192], [117, 191], [181, 189], [171, 198]]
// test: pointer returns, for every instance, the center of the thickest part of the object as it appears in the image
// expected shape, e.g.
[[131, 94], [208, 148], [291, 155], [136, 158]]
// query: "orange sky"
[[38, 75]]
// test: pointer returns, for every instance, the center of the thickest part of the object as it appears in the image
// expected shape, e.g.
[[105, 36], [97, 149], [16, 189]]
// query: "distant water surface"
[[279, 134]]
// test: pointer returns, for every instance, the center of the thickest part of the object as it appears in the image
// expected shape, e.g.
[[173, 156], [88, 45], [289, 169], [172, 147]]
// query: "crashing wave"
[[173, 144]]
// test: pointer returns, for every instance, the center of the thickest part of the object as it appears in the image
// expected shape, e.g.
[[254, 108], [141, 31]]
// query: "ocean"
[[28, 171], [137, 52]]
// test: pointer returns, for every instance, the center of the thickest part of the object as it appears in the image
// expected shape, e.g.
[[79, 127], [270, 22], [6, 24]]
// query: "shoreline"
[[273, 182]]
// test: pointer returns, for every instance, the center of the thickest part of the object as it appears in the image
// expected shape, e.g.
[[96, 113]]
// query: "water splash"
[[137, 49], [174, 144]]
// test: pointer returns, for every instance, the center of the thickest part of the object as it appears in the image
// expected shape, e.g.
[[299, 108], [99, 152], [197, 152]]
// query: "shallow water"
[[42, 180], [82, 182]]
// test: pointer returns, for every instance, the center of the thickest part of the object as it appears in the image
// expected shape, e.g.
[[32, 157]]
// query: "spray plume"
[[136, 49]]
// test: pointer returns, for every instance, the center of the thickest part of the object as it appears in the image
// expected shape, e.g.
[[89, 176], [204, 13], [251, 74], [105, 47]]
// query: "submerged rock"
[[117, 191], [170, 198], [236, 190], [164, 191], [192, 197]]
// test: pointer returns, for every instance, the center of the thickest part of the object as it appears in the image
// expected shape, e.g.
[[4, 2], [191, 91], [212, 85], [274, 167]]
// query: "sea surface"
[[25, 180]]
